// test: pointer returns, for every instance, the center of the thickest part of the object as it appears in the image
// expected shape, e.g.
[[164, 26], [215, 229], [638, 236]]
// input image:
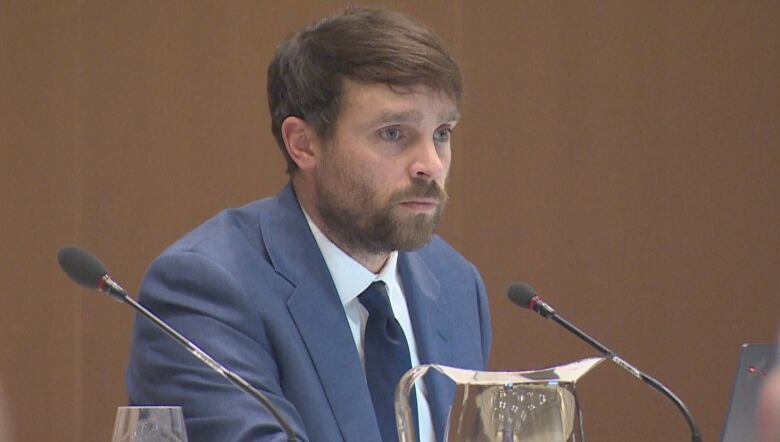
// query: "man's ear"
[[301, 142]]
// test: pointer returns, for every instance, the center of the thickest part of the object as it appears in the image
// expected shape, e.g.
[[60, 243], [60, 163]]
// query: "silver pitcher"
[[522, 406]]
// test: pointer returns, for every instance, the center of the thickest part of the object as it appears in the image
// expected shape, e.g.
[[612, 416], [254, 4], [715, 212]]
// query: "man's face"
[[380, 182]]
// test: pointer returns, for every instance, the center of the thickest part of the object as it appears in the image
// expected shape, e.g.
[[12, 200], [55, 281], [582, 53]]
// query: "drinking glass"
[[149, 424]]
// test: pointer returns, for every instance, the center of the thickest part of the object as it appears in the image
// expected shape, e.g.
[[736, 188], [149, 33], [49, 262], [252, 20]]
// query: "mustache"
[[422, 189]]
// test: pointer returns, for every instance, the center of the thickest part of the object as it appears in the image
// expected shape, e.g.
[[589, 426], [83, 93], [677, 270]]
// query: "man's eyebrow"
[[406, 116]]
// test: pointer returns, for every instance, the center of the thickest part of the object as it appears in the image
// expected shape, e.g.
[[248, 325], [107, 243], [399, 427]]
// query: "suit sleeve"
[[202, 301]]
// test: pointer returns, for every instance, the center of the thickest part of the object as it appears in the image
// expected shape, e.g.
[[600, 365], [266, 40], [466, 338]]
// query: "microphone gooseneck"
[[525, 296], [88, 271]]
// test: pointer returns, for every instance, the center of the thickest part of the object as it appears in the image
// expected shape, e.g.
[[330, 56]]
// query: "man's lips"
[[420, 204]]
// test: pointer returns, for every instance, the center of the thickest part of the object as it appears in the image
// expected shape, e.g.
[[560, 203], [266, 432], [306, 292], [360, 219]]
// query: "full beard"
[[356, 224]]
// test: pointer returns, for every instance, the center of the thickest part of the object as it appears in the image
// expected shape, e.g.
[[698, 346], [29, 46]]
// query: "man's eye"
[[390, 134], [442, 135]]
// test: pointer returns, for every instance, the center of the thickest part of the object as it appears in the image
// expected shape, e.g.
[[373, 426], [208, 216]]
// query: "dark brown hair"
[[366, 45]]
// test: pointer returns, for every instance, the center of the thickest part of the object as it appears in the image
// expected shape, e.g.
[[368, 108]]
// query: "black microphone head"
[[82, 266], [521, 294]]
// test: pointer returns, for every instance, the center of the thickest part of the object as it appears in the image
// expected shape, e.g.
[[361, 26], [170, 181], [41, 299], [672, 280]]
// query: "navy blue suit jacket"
[[251, 288]]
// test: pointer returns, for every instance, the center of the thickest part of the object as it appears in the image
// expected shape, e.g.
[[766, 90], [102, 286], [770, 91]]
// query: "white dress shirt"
[[351, 279]]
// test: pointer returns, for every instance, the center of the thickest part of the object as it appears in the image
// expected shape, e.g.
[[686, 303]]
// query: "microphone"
[[88, 271], [525, 296]]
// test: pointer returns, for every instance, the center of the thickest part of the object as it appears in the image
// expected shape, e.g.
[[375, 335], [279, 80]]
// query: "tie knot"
[[376, 301]]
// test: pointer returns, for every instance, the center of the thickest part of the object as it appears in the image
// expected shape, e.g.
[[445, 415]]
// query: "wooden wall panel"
[[40, 204], [628, 151]]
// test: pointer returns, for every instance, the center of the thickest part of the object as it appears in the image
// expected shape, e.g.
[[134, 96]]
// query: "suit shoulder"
[[439, 254], [231, 239]]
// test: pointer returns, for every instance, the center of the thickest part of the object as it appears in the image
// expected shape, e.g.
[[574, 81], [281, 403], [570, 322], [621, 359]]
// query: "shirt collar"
[[349, 276]]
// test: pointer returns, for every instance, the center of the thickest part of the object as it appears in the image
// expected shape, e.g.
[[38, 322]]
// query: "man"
[[769, 405], [288, 291], [6, 423]]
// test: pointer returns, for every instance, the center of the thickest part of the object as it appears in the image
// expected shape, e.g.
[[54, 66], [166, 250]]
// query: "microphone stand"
[[649, 380], [109, 286], [87, 270]]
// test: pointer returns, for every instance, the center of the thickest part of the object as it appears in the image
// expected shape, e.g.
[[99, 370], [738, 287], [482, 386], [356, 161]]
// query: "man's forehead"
[[383, 102]]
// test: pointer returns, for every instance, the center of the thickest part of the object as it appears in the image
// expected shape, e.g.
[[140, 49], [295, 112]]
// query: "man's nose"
[[428, 161]]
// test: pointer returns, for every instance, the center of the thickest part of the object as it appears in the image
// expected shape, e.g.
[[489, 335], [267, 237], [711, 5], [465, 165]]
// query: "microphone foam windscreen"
[[521, 294], [82, 266]]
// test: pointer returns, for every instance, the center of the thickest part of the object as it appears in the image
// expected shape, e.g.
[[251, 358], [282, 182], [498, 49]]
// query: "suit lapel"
[[320, 319], [319, 316], [432, 329]]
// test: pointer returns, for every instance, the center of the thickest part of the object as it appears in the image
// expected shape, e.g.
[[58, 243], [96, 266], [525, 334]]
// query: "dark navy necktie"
[[386, 355]]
